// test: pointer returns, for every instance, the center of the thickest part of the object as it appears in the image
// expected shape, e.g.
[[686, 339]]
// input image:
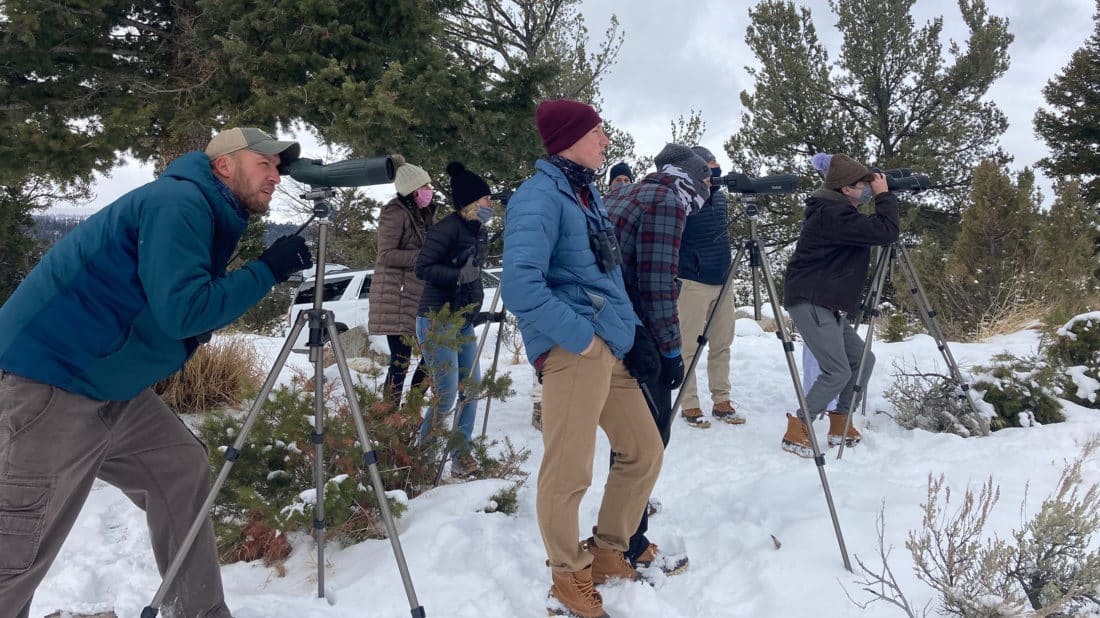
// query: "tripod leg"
[[870, 309], [370, 459], [231, 455], [928, 316], [493, 372], [788, 350]]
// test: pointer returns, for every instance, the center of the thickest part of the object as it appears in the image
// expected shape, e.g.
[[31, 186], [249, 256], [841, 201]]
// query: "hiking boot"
[[608, 564], [836, 431], [536, 415], [725, 412], [797, 440], [652, 507], [572, 594], [464, 467], [669, 564], [695, 418]]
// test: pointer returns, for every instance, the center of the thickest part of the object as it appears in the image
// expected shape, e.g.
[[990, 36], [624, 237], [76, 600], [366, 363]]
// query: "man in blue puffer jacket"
[[562, 281], [114, 307]]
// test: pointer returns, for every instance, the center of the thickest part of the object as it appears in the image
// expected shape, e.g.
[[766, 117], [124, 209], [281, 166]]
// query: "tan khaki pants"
[[580, 393], [54, 444], [696, 302]]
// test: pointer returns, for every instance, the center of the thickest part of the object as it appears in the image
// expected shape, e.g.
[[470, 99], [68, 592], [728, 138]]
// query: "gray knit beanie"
[[685, 159], [706, 155]]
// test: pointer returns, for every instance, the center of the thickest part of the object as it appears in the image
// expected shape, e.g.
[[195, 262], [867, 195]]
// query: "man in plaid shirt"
[[649, 218]]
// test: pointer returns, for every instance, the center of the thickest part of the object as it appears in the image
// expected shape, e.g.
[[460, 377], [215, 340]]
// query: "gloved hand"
[[286, 256], [469, 272], [643, 361], [488, 316], [462, 256], [672, 371]]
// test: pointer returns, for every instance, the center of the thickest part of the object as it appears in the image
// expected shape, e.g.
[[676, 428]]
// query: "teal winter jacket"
[[550, 280], [122, 301]]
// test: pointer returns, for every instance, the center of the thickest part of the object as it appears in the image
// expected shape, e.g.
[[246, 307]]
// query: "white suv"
[[347, 295]]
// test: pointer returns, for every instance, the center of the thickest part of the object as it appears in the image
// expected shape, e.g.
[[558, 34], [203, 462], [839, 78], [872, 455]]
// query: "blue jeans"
[[449, 366]]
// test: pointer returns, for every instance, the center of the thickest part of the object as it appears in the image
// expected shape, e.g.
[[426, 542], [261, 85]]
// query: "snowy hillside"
[[725, 490]]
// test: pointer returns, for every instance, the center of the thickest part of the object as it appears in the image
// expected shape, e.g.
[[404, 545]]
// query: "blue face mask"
[[866, 194], [484, 214]]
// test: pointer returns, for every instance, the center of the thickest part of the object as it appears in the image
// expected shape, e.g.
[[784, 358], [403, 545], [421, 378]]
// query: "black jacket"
[[832, 257], [705, 244], [446, 247]]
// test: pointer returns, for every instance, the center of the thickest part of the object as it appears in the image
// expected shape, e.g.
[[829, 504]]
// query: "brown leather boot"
[[836, 431], [670, 564], [797, 440], [695, 418], [608, 564], [724, 411], [572, 594]]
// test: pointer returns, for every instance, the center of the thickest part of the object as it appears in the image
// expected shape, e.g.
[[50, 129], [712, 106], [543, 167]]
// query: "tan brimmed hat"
[[248, 138]]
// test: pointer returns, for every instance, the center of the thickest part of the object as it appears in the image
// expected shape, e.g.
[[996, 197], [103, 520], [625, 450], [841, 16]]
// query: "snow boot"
[[836, 431], [797, 440], [572, 594], [464, 467], [724, 411], [652, 507], [695, 418], [609, 564], [670, 564]]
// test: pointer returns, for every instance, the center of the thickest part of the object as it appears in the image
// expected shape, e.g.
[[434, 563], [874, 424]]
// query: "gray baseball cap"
[[248, 138]]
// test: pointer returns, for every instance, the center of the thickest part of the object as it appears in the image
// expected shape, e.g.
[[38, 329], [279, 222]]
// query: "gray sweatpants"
[[838, 349], [54, 444]]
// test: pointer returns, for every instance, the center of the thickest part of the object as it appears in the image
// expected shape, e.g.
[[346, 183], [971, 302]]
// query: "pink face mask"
[[424, 197]]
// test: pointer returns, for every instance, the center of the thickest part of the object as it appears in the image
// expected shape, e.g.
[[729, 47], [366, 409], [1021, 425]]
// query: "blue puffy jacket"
[[705, 244], [551, 281], [116, 305]]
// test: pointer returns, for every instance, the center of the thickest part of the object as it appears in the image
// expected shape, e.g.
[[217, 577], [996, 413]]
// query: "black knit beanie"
[[466, 186]]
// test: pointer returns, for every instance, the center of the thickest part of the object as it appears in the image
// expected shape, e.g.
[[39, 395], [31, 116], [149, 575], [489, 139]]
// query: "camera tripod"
[[753, 250], [887, 256], [322, 327]]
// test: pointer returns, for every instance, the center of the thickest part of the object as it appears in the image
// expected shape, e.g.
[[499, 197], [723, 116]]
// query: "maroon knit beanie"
[[561, 122]]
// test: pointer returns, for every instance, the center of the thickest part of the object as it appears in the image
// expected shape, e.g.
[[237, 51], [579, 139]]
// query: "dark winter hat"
[[685, 159], [561, 122], [703, 153], [620, 169], [844, 171], [466, 186], [248, 138]]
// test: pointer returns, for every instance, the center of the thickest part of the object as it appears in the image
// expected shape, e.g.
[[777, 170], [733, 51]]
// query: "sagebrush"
[[221, 373]]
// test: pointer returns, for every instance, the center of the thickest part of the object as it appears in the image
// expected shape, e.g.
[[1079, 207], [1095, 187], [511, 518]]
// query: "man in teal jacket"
[[114, 307]]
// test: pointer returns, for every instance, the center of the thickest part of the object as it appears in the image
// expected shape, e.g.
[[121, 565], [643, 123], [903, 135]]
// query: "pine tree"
[[890, 99], [1067, 257], [990, 273], [1071, 124]]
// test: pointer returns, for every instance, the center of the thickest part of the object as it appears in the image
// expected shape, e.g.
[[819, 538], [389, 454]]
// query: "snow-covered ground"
[[726, 491]]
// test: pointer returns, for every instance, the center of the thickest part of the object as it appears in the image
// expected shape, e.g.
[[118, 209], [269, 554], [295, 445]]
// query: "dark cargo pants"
[[54, 444]]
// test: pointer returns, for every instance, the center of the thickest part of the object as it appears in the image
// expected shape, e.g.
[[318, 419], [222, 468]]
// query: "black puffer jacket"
[[446, 248], [705, 246], [830, 262]]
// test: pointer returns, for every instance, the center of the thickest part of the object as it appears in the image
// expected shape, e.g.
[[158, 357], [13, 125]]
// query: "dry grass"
[[1010, 318], [222, 373]]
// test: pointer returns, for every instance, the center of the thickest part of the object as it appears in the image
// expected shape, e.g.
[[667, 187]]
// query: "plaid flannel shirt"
[[648, 224]]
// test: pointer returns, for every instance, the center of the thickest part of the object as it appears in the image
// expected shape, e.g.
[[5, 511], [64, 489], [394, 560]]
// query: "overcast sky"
[[683, 56]]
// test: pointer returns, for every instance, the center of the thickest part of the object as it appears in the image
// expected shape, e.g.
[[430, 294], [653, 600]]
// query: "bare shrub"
[[931, 401], [222, 373]]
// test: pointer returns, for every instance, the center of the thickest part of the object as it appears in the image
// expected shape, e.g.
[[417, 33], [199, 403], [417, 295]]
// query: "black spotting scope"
[[736, 182], [902, 179], [351, 173]]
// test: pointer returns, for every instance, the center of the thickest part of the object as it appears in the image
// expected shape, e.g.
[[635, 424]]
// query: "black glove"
[[463, 256], [672, 371], [488, 316], [286, 256], [469, 272], [643, 361]]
